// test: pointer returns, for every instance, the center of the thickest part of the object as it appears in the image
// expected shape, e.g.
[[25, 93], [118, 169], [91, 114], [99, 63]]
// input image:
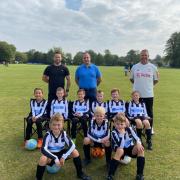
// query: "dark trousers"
[[149, 106], [38, 125], [83, 121]]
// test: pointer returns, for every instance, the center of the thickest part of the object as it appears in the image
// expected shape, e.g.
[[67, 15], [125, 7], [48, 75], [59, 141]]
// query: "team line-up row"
[[95, 126]]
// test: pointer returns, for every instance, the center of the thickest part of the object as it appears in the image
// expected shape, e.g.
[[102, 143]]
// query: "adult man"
[[55, 76], [88, 77], [144, 75]]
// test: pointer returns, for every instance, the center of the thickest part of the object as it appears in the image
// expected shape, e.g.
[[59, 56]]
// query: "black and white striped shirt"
[[98, 132], [52, 144], [81, 107], [59, 107], [38, 108], [116, 107], [136, 110], [96, 104]]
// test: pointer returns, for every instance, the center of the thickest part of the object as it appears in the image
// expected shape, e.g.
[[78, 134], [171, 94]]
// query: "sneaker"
[[39, 144], [86, 162], [84, 177], [149, 145], [109, 177], [139, 177], [25, 141], [152, 131]]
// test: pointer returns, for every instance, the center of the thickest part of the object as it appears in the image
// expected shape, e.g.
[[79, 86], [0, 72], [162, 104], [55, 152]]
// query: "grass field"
[[16, 88]]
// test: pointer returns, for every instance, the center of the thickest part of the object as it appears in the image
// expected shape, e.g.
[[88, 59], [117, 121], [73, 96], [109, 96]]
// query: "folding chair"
[[45, 127]]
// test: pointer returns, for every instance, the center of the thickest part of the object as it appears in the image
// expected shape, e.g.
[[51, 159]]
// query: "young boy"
[[116, 105], [59, 105], [37, 115], [98, 135], [123, 139], [137, 115], [57, 147], [99, 102], [80, 114]]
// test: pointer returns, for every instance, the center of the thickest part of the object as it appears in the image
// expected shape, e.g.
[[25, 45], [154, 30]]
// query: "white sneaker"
[[152, 131], [125, 160]]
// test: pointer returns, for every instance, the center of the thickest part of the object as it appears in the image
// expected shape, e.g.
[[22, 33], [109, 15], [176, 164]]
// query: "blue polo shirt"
[[87, 76]]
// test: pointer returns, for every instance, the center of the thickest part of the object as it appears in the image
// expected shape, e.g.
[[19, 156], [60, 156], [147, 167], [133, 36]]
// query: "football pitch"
[[16, 88]]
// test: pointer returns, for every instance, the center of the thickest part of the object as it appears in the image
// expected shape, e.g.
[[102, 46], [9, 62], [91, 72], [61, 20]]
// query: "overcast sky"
[[78, 25]]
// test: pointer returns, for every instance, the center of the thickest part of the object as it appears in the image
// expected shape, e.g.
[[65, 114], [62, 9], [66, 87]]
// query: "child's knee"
[[87, 141], [138, 123], [146, 124], [75, 153], [119, 153], [43, 160]]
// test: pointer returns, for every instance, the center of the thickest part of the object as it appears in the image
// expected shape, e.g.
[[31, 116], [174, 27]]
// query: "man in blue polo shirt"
[[88, 77]]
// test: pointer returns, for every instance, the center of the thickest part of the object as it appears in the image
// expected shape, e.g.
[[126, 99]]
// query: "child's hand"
[[34, 119], [62, 160], [58, 163], [78, 114]]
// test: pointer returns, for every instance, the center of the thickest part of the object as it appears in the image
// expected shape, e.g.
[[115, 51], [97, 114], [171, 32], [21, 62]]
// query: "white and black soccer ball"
[[125, 160]]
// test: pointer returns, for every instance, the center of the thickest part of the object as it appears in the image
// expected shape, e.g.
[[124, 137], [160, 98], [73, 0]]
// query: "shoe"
[[152, 131], [25, 141], [84, 177], [86, 162], [74, 140], [149, 145], [109, 177], [39, 144], [139, 177]]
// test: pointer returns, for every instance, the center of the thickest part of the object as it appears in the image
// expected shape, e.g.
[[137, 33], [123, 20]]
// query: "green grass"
[[16, 88]]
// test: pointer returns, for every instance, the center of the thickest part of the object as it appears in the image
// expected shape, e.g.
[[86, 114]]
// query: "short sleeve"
[[47, 71], [98, 73], [66, 71]]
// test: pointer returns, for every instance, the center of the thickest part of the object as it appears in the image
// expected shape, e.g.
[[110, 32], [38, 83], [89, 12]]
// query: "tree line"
[[9, 54]]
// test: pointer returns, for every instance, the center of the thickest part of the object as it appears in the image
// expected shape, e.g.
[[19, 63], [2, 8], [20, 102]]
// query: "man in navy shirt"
[[55, 76], [88, 77]]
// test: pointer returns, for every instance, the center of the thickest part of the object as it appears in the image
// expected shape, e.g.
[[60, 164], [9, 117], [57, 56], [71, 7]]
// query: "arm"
[[118, 141], [43, 110], [155, 76], [99, 80], [70, 145], [68, 84], [136, 138], [45, 78]]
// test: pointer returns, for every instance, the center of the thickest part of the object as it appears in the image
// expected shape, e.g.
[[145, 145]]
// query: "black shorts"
[[128, 152], [96, 144], [142, 118], [59, 155]]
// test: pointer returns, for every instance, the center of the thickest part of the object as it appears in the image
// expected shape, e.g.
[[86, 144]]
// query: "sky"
[[79, 25]]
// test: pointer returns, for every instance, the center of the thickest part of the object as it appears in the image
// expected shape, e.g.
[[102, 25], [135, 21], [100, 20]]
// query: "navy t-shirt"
[[56, 76]]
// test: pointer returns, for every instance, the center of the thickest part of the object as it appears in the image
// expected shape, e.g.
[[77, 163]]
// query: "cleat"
[[149, 145], [84, 177], [39, 144], [139, 177], [109, 177]]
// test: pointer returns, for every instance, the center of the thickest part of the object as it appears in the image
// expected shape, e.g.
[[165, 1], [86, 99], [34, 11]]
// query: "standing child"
[[98, 135], [37, 115], [138, 115], [99, 102], [123, 139], [80, 114], [57, 147]]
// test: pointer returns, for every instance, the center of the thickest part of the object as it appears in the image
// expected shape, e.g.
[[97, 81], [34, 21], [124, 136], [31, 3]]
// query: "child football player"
[[123, 139], [137, 115], [57, 147], [98, 135], [80, 114], [59, 105], [99, 102], [37, 115]]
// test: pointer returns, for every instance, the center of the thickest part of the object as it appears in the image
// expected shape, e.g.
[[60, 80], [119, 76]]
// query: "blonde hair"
[[135, 92], [115, 90], [120, 117], [57, 118], [99, 110]]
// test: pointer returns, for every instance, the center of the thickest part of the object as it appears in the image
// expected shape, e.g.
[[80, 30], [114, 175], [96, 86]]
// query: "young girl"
[[37, 115], [138, 115], [57, 147]]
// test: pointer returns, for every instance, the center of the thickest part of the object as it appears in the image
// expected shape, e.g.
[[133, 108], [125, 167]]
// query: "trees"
[[21, 57], [172, 50], [7, 52]]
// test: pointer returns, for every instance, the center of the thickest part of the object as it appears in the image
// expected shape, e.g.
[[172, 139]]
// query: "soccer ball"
[[31, 144], [52, 169], [97, 152], [125, 160]]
